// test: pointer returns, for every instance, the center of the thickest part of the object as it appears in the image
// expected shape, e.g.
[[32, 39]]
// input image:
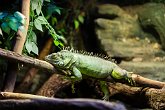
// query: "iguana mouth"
[[54, 60], [47, 58]]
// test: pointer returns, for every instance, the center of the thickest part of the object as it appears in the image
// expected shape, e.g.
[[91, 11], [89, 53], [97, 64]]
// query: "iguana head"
[[60, 59]]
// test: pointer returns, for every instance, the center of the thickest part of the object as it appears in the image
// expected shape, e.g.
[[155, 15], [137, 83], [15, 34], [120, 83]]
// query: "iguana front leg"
[[76, 76]]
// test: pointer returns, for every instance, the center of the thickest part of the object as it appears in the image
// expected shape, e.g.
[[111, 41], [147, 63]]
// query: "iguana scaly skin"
[[77, 64]]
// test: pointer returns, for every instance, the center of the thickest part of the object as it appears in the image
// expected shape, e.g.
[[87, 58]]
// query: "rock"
[[116, 46], [117, 22], [110, 11], [120, 35], [152, 70], [152, 15]]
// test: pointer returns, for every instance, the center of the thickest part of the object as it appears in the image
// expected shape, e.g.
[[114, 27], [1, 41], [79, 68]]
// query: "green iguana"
[[77, 64]]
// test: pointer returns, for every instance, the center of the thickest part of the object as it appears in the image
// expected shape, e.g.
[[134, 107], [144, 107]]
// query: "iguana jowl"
[[77, 64]]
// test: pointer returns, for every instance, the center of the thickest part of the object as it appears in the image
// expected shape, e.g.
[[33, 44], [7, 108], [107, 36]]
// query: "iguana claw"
[[106, 97], [105, 90], [128, 77]]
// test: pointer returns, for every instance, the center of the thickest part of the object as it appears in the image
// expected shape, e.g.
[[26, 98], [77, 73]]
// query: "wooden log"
[[15, 57], [47, 66], [18, 101], [139, 96]]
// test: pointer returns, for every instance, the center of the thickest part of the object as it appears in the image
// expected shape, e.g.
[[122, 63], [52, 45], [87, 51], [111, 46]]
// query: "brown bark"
[[139, 96], [15, 57], [20, 40], [47, 66], [26, 82], [16, 101], [153, 97], [156, 98], [145, 82], [53, 85], [22, 35]]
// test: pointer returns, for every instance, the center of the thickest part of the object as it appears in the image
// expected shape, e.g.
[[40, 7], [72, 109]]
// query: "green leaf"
[[1, 32], [22, 21], [20, 17], [58, 11], [81, 18], [14, 26], [31, 43], [33, 37], [41, 19], [38, 9], [76, 24], [5, 27], [37, 24], [34, 4], [34, 48], [22, 29], [2, 15], [28, 46], [61, 44], [47, 0], [52, 9], [31, 47], [13, 23], [58, 43], [54, 20]]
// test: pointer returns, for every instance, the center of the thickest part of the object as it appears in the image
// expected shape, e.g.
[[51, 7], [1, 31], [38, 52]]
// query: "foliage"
[[10, 23], [80, 19], [71, 20], [43, 15], [38, 20]]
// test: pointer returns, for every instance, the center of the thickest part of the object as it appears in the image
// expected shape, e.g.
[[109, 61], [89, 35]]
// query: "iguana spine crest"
[[105, 57]]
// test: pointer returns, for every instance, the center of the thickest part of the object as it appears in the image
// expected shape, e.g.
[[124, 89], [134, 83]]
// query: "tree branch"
[[53, 85], [139, 96], [145, 82], [26, 82], [15, 57], [11, 74], [45, 65], [18, 101]]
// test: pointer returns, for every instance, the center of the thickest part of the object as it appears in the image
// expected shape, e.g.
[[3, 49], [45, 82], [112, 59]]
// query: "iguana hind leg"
[[119, 73], [105, 90]]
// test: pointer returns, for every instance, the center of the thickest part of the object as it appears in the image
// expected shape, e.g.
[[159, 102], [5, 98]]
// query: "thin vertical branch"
[[26, 82], [20, 40]]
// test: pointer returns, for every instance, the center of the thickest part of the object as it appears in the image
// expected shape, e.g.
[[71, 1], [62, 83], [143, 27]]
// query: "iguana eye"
[[61, 64], [59, 54]]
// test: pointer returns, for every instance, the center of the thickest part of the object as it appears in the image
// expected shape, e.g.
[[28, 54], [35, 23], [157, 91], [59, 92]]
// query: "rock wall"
[[138, 39]]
